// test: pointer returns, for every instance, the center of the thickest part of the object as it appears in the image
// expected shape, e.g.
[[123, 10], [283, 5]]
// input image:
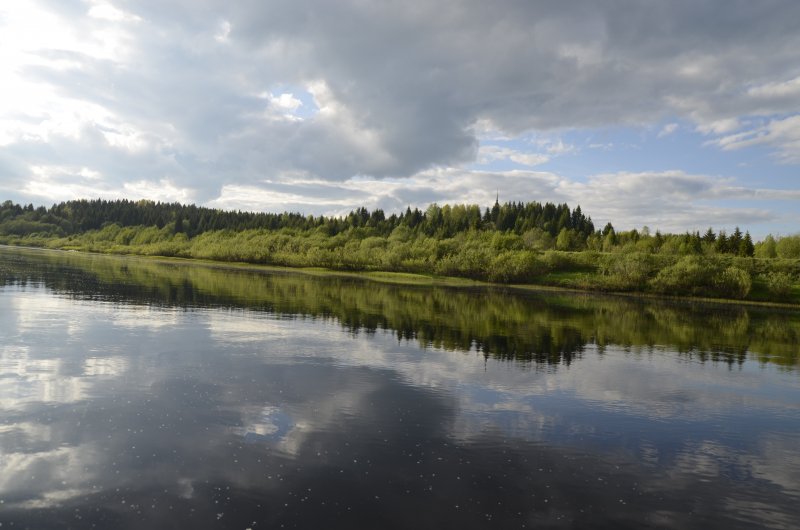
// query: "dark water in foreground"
[[144, 395]]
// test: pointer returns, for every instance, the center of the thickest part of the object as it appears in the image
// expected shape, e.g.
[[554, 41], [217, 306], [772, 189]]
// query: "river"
[[143, 394]]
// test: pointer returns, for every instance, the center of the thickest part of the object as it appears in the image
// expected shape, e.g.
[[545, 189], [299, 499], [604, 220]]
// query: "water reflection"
[[547, 329], [135, 395]]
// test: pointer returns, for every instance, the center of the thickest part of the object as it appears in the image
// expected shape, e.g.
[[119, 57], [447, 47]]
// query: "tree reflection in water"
[[538, 328]]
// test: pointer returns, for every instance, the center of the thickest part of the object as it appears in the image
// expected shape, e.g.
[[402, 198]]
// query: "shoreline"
[[410, 278]]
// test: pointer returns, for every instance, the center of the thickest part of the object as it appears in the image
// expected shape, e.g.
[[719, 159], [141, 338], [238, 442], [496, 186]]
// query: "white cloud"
[[777, 89], [223, 32], [558, 147], [491, 153], [107, 11], [783, 134], [285, 102], [163, 190], [282, 106], [667, 130], [126, 137], [672, 200], [719, 126], [529, 159], [262, 198], [54, 183]]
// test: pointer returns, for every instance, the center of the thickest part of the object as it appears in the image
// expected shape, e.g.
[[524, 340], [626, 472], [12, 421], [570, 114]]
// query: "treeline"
[[75, 217], [545, 226], [529, 243]]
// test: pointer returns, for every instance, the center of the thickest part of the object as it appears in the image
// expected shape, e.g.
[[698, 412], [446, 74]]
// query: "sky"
[[676, 115]]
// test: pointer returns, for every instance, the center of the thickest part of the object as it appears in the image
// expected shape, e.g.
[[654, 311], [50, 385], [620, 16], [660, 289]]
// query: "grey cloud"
[[418, 76], [527, 65]]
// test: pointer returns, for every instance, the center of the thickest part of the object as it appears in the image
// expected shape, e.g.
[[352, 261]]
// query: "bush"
[[537, 239], [471, 262], [21, 227], [779, 284], [733, 282], [627, 271], [690, 275], [556, 260], [788, 247], [518, 266]]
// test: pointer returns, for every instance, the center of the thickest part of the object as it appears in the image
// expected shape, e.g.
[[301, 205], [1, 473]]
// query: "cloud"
[[50, 184], [107, 11], [557, 147], [491, 153], [673, 201], [719, 126], [668, 129], [402, 85], [323, 106], [782, 134], [778, 89], [223, 32], [285, 101]]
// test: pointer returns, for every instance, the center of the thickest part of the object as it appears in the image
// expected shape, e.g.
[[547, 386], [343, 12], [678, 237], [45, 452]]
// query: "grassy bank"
[[470, 256]]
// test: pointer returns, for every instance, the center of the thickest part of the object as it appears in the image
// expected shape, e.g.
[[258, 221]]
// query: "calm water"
[[143, 395]]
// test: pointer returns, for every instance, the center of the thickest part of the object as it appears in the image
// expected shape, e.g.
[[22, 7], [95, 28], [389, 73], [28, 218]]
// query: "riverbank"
[[555, 281], [539, 245]]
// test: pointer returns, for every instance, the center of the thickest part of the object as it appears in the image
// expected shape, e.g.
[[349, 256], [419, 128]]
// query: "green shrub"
[[627, 271], [556, 260], [788, 247], [733, 282], [690, 275], [779, 284], [519, 266]]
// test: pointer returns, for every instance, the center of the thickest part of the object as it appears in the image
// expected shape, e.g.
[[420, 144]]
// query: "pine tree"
[[746, 247], [735, 241], [721, 245]]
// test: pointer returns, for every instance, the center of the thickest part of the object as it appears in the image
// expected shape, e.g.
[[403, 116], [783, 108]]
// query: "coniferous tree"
[[722, 246], [746, 247], [735, 241]]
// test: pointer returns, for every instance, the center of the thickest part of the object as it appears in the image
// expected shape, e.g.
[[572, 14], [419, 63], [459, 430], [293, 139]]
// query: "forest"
[[513, 243]]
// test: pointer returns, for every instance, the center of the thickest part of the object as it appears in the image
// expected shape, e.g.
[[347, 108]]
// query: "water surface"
[[136, 394]]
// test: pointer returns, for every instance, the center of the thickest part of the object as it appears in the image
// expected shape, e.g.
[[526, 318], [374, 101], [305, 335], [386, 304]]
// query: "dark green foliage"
[[722, 245], [75, 217]]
